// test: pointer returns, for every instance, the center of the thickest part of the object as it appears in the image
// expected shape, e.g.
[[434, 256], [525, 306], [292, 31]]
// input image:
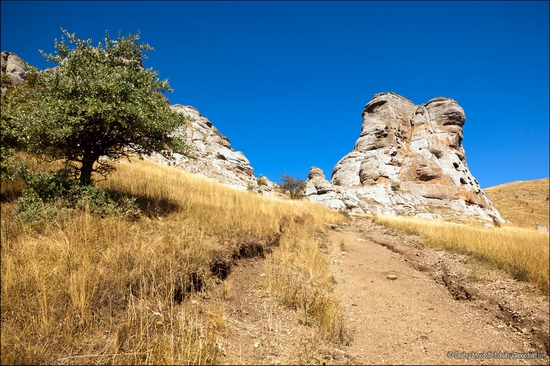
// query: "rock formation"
[[14, 68], [319, 190], [408, 160], [211, 154]]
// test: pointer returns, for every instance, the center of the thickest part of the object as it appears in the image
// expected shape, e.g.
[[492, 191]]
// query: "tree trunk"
[[86, 170]]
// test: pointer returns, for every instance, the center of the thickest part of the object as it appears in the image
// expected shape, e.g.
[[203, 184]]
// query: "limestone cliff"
[[408, 160], [211, 154]]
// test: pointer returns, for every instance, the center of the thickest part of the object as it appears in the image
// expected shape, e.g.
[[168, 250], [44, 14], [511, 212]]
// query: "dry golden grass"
[[90, 289], [519, 251], [523, 203]]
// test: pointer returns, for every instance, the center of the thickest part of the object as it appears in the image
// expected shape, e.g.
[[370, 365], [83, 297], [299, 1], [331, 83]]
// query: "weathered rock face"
[[319, 190], [14, 68], [210, 152], [409, 160]]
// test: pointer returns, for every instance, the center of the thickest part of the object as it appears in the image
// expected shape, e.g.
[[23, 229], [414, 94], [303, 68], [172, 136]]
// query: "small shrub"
[[343, 247], [344, 212], [438, 153], [261, 181], [103, 201], [31, 208], [295, 186], [395, 186]]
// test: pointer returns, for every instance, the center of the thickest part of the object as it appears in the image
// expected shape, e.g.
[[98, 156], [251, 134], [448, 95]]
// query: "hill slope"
[[88, 288], [523, 203]]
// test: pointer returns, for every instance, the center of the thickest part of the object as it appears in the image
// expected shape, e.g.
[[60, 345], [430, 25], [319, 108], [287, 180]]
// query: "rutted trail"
[[400, 314]]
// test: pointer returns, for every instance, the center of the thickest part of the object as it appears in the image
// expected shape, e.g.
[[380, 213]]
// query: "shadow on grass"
[[155, 207], [11, 189]]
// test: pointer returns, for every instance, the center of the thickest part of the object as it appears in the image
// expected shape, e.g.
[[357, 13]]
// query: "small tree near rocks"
[[294, 186], [261, 181]]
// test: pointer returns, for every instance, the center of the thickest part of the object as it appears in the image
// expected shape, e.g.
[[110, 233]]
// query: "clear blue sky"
[[287, 81]]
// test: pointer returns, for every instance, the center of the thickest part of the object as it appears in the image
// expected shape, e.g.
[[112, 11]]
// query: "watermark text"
[[494, 355]]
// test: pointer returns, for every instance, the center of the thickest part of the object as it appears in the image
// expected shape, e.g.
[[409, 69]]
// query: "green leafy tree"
[[294, 186], [13, 100], [98, 105]]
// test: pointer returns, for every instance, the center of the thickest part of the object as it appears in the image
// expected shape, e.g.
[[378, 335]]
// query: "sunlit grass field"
[[87, 289], [524, 203], [522, 252]]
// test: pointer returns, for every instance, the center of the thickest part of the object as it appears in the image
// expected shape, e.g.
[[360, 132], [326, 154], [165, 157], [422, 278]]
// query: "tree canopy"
[[294, 186], [98, 105]]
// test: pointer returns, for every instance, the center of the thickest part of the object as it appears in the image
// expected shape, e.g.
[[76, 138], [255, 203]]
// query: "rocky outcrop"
[[408, 160], [211, 154], [319, 190], [14, 68]]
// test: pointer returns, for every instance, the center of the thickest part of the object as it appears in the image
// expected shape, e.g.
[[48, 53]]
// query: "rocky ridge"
[[211, 154], [408, 160]]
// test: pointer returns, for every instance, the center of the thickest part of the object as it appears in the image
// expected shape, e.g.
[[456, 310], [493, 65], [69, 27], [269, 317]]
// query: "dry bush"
[[91, 289], [524, 253]]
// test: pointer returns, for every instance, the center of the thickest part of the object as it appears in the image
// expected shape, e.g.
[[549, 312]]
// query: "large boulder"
[[409, 160]]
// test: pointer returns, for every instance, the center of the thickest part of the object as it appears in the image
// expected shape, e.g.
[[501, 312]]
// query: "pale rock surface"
[[408, 160], [14, 67], [319, 190], [211, 154]]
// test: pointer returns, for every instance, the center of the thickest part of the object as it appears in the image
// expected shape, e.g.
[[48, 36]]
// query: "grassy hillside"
[[89, 288], [523, 203], [522, 252]]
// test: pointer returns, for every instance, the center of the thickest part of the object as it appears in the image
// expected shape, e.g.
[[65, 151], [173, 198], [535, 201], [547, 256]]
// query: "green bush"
[[49, 195], [261, 181], [31, 208]]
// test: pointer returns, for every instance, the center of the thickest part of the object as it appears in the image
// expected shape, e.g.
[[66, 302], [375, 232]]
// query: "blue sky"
[[287, 81]]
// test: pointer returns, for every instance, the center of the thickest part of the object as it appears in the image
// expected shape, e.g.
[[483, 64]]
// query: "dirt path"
[[403, 303], [401, 314], [261, 331]]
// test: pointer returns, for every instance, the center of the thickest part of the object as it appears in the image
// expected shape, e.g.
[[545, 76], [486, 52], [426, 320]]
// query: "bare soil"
[[404, 303], [409, 304]]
